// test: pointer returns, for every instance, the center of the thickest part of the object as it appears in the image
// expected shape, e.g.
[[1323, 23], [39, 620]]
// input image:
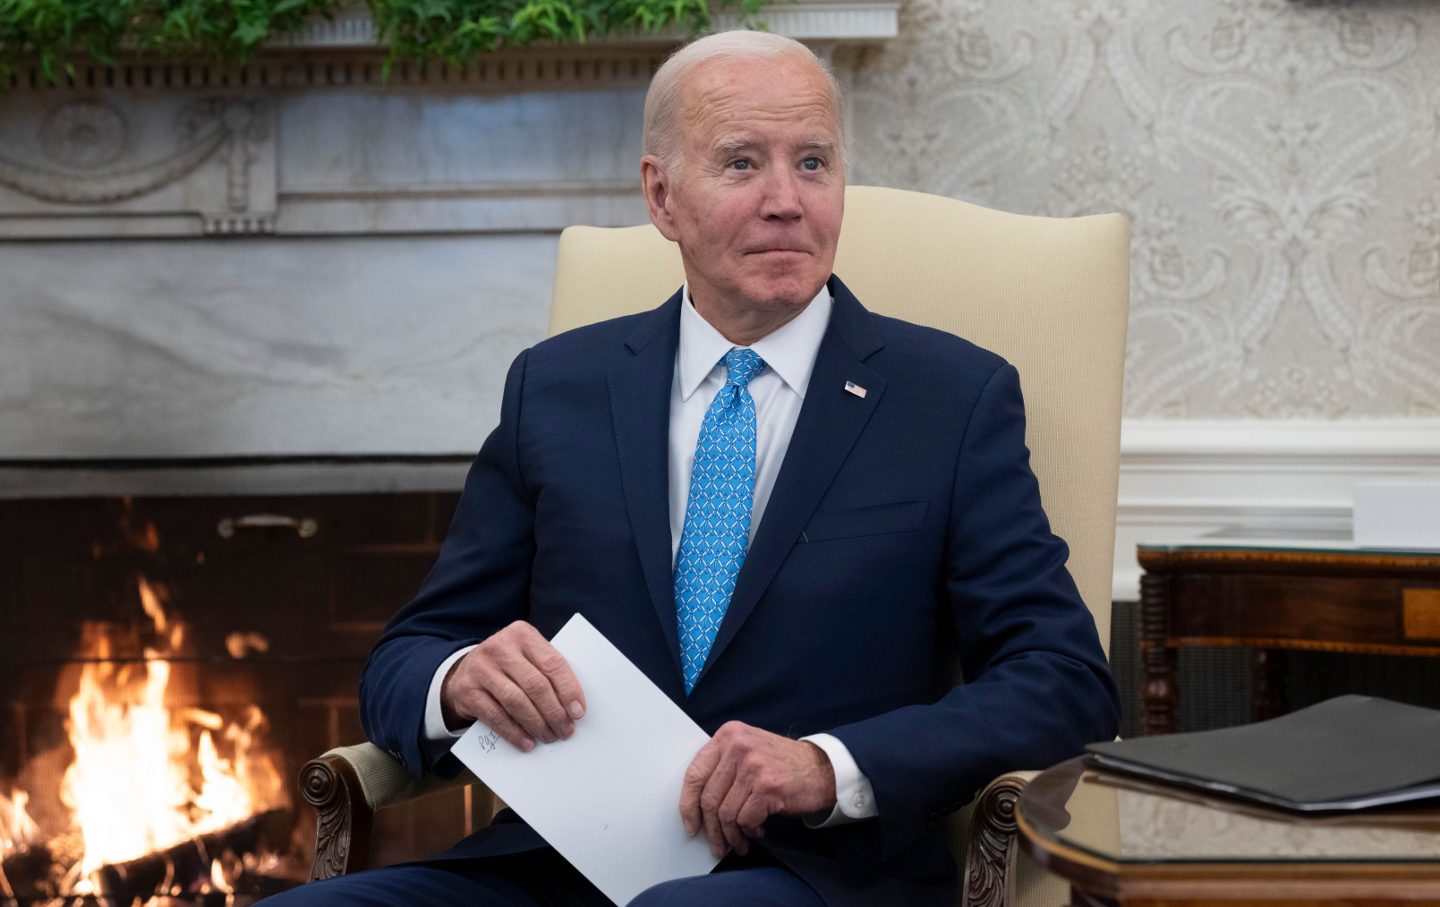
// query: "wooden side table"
[[1274, 595], [1133, 844]]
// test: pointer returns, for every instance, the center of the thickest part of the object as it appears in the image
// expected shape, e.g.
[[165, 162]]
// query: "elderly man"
[[793, 515]]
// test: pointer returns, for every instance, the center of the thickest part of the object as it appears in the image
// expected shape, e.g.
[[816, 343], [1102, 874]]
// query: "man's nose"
[[782, 195]]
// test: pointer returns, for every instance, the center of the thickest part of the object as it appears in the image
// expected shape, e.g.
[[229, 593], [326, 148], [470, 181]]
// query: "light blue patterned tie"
[[717, 513]]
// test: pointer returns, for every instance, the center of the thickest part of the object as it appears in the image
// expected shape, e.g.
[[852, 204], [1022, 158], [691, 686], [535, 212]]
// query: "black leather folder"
[[1347, 753]]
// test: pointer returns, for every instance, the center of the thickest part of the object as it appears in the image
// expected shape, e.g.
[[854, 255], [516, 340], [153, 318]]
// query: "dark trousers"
[[544, 879]]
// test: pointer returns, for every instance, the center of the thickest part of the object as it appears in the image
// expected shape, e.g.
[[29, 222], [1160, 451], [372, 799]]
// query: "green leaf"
[[54, 33]]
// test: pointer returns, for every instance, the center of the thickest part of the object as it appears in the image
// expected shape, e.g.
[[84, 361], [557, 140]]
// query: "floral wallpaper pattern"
[[1279, 161]]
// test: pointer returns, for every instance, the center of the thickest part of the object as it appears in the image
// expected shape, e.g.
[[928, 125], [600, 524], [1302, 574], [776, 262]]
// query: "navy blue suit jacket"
[[904, 537]]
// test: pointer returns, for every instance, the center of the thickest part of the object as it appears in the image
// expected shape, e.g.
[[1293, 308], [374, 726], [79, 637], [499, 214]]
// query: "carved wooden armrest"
[[346, 786], [990, 842]]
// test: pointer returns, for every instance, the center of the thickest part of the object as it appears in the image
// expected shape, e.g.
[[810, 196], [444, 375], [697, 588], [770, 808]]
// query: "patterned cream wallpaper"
[[1280, 162]]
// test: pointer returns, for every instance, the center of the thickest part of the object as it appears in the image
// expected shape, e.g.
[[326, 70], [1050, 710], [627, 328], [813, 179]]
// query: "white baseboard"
[[1182, 479]]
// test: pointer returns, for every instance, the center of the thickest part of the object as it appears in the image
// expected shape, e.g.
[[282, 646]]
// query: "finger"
[[753, 813], [696, 774], [562, 679], [516, 703], [713, 833], [730, 807], [716, 789], [488, 710], [536, 685]]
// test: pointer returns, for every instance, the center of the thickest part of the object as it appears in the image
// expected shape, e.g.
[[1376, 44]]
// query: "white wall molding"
[[1182, 479]]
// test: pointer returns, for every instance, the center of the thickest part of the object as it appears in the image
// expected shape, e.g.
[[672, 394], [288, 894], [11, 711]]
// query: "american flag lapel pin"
[[853, 388]]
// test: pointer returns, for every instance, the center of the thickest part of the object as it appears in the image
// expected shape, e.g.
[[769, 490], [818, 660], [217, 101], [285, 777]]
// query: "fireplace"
[[247, 618], [200, 374]]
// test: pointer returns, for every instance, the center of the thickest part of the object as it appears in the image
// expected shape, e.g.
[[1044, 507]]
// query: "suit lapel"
[[640, 404], [830, 421]]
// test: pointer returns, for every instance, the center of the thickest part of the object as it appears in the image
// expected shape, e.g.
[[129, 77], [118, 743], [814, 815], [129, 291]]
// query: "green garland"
[[55, 32]]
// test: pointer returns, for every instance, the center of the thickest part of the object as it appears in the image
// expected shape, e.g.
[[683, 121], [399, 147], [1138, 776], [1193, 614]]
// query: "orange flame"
[[134, 786], [17, 829], [218, 882]]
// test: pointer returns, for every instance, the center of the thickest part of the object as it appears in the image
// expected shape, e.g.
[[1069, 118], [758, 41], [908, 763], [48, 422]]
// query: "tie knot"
[[743, 365]]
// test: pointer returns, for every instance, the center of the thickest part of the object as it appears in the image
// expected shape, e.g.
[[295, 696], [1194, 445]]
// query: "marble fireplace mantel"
[[299, 258], [312, 139]]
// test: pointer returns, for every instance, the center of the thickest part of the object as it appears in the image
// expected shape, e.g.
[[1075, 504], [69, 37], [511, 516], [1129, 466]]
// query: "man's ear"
[[655, 180]]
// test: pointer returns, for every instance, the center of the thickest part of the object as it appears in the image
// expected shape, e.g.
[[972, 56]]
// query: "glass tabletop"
[[1313, 540], [1125, 821]]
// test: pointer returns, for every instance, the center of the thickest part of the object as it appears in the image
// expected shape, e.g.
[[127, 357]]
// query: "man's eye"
[[812, 163], [740, 164]]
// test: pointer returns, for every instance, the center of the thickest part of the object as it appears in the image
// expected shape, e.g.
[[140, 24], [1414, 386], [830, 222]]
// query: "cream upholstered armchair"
[[1050, 295]]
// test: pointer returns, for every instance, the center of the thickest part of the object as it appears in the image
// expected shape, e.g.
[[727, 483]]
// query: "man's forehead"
[[776, 82], [733, 112]]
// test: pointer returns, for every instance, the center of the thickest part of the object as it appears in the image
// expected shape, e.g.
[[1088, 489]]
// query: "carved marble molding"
[[87, 163], [357, 66]]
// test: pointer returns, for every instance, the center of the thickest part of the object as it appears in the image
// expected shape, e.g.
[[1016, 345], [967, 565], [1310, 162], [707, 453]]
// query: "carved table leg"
[[1268, 697], [1159, 690]]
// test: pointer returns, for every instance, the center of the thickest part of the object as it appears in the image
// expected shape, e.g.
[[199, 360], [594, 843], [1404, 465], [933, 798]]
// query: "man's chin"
[[786, 292]]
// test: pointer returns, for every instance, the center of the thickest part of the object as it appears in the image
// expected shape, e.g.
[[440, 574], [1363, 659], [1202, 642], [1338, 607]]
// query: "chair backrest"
[[1051, 295]]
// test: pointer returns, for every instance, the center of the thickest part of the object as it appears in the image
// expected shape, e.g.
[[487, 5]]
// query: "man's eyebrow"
[[736, 144], [732, 145]]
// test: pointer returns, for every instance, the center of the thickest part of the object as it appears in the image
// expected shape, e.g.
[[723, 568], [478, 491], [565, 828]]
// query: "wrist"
[[823, 774], [448, 713]]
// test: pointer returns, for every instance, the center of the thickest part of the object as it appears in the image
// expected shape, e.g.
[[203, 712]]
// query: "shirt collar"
[[789, 351]]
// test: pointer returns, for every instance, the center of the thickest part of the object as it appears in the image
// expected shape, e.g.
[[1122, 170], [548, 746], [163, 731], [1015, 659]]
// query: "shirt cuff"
[[435, 730], [854, 797]]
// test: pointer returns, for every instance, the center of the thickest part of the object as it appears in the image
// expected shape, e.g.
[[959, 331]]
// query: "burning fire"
[[17, 829], [145, 776]]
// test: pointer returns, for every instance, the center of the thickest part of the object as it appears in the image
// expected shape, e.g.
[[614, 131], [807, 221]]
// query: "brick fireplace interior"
[[283, 596]]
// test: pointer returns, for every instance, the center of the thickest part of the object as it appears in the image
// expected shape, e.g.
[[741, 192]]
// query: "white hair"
[[662, 101]]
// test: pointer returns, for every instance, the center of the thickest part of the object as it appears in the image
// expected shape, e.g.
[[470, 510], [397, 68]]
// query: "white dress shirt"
[[778, 391]]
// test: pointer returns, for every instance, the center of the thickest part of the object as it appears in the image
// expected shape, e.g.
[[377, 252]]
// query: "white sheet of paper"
[[608, 799]]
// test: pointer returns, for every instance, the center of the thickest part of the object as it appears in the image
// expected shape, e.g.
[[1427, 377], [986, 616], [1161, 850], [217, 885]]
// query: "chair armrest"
[[988, 829], [349, 783], [346, 786]]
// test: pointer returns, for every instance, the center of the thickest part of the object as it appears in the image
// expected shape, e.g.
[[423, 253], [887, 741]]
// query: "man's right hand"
[[518, 684]]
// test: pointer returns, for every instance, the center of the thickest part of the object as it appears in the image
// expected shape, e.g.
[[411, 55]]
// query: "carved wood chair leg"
[[344, 817], [991, 847]]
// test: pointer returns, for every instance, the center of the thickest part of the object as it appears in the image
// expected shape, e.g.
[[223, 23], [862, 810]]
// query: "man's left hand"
[[745, 775]]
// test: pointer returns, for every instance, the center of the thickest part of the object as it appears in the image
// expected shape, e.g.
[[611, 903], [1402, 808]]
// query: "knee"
[[675, 893], [304, 896], [342, 891]]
